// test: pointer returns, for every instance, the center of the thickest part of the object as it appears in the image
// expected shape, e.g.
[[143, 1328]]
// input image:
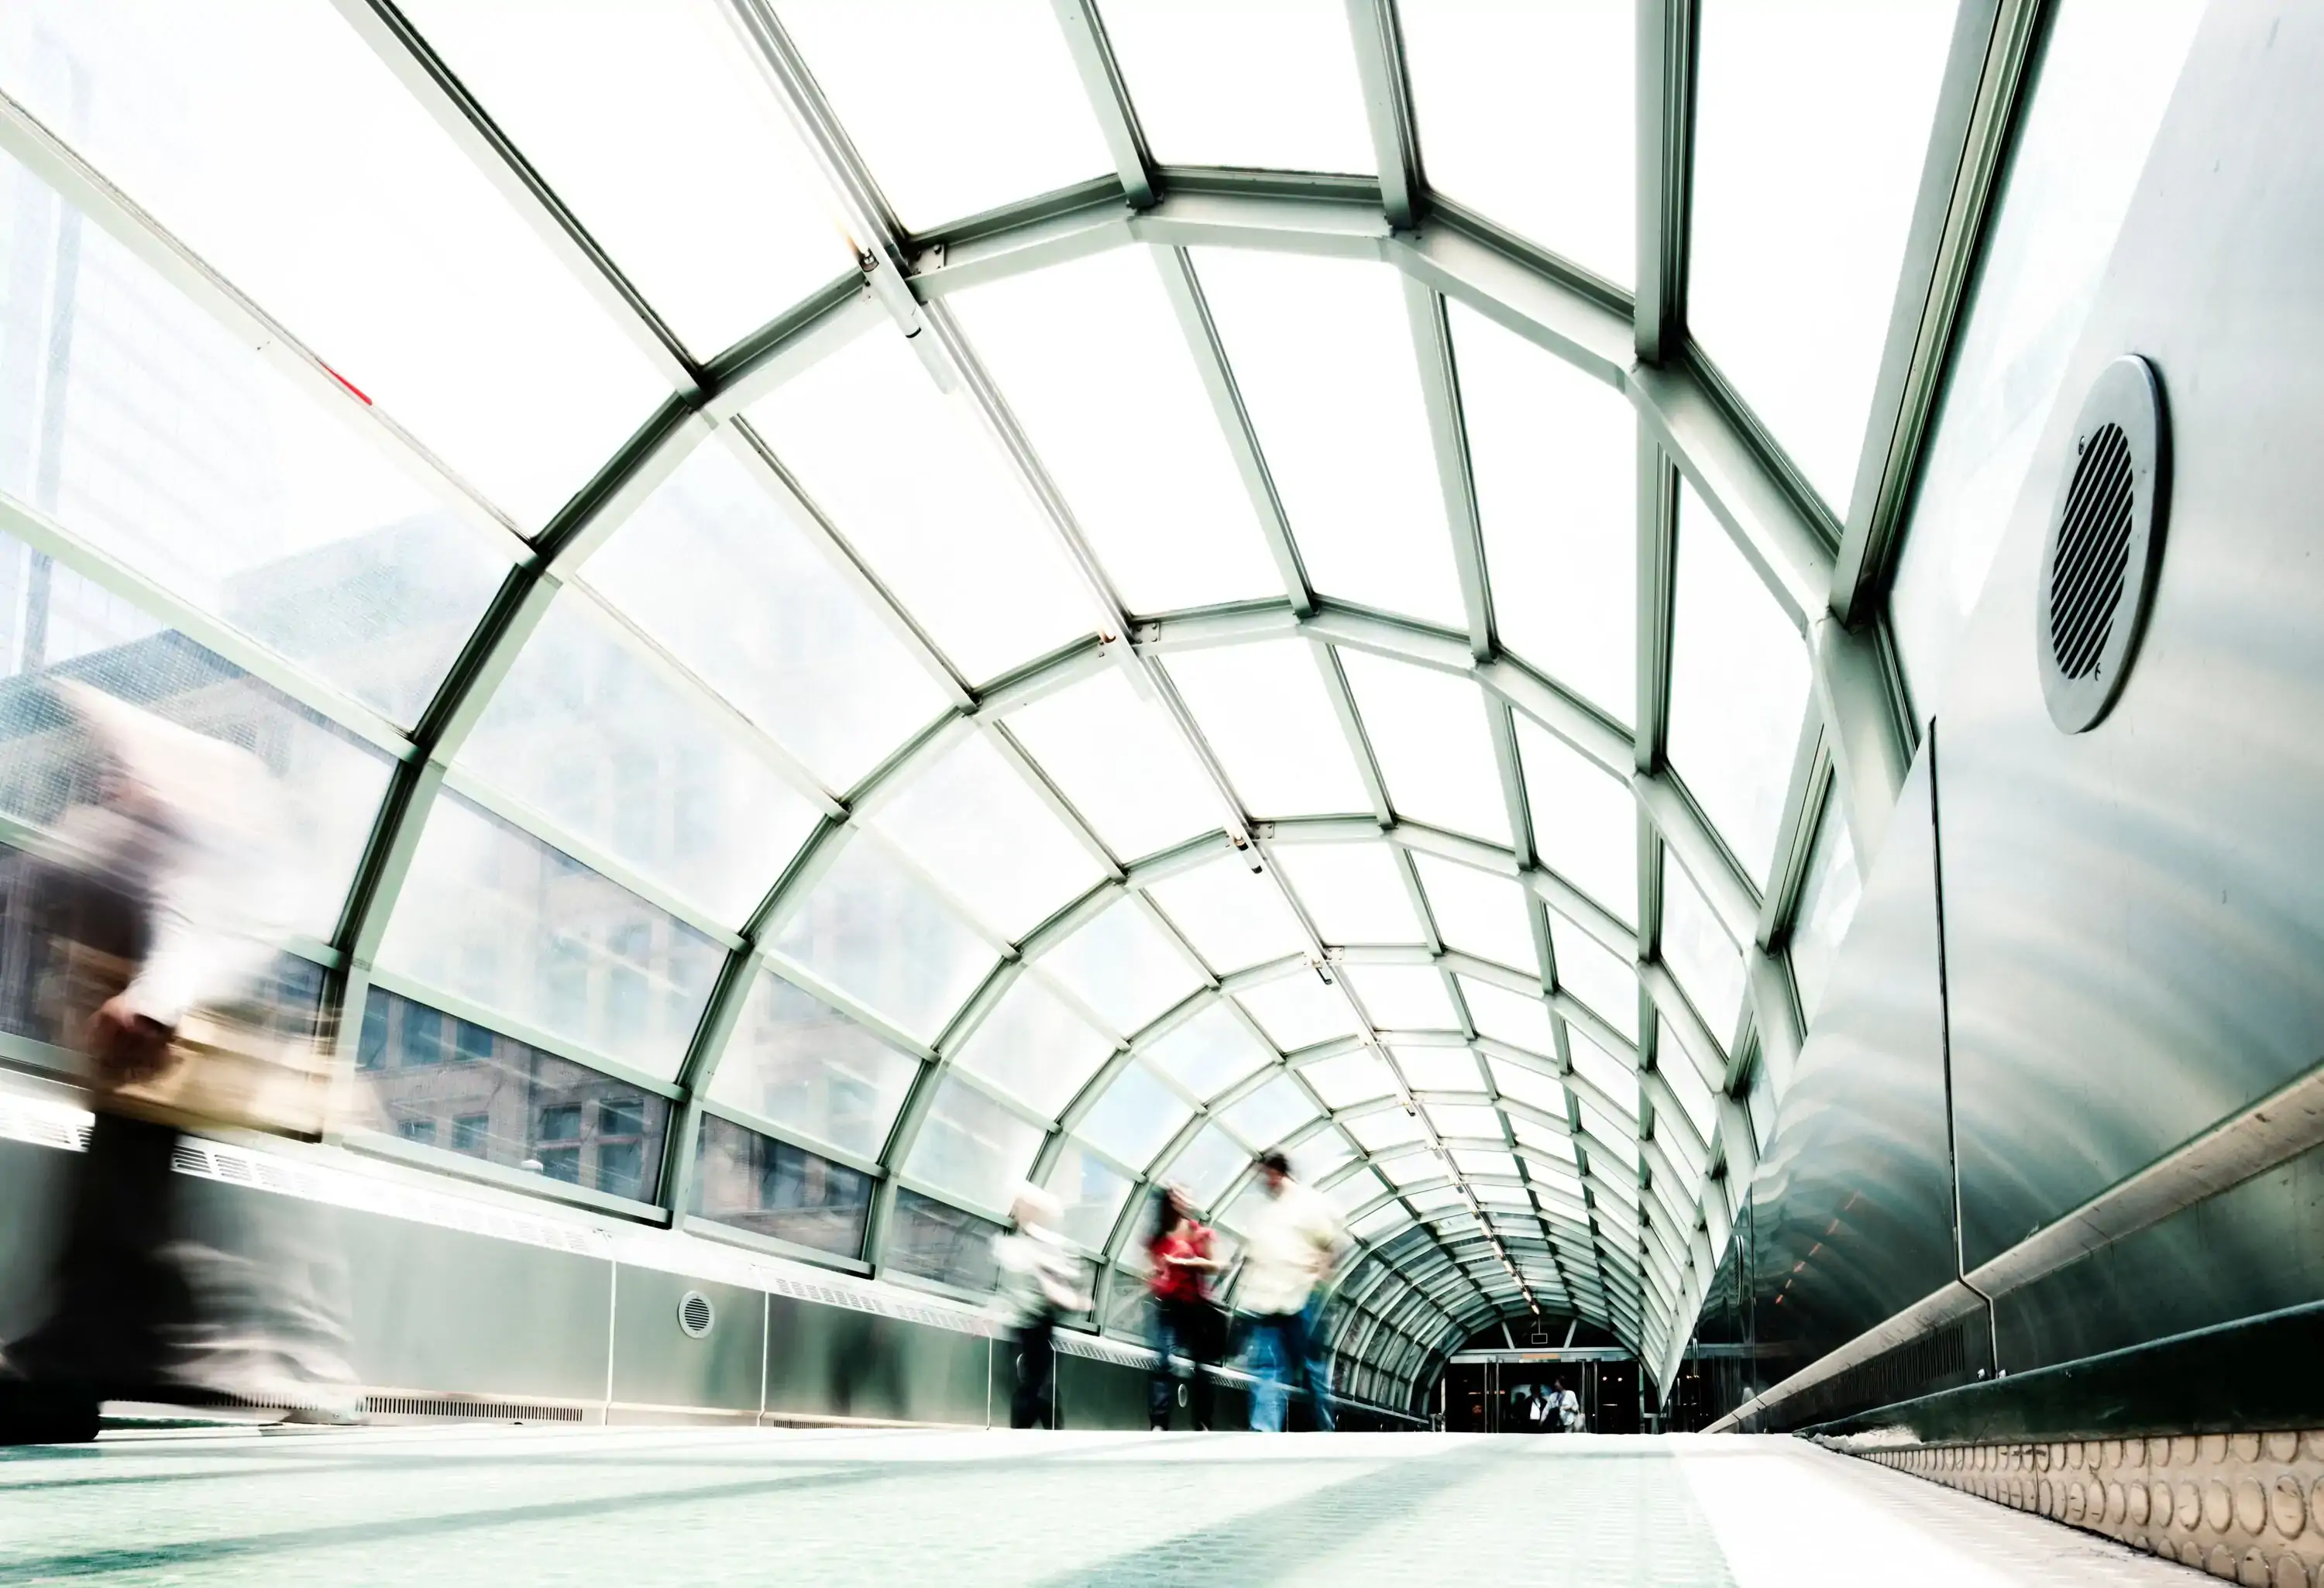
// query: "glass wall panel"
[[1100, 409], [1478, 912], [1122, 763], [928, 500], [1686, 1085], [1135, 1116], [1033, 1047], [1391, 1127], [1380, 1221], [1429, 732], [1827, 906], [1319, 1155], [882, 64], [1525, 115], [872, 930], [770, 1187], [1456, 1119], [656, 184], [1798, 236], [1353, 1192], [1353, 893], [1233, 916], [1592, 973], [1403, 997], [1209, 1052], [1554, 455], [1616, 1137], [1700, 952], [796, 1061], [304, 171], [139, 423], [433, 1080], [1091, 1192], [1124, 967], [1585, 823], [972, 1147], [1527, 1087], [2107, 72], [1298, 1011], [977, 826], [1267, 1115], [1616, 1079], [589, 733], [1321, 351], [1350, 1078], [1264, 712], [751, 598], [1207, 1165], [498, 917], [1509, 1017], [1128, 1313], [1438, 1069], [1739, 689], [1243, 82], [936, 1240]]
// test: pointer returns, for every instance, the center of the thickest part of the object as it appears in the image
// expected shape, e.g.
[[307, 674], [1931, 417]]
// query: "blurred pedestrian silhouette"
[[1040, 1282], [1186, 1322], [1294, 1243]]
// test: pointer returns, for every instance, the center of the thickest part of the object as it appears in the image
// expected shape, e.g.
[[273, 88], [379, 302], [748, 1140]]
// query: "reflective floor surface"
[[626, 1507]]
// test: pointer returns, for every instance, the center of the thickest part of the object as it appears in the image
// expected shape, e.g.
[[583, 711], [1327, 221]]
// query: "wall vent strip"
[[479, 1412]]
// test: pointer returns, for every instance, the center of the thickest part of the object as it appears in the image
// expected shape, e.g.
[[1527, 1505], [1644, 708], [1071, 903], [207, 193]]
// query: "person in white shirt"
[[1040, 1282], [1292, 1245], [1566, 1409]]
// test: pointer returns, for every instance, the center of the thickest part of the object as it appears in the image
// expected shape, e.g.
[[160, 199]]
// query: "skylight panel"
[[1700, 954], [1353, 893], [796, 1061], [1478, 912], [916, 485], [1210, 1051], [1090, 1191], [1034, 1047], [1321, 351], [1827, 907], [1437, 1069], [1391, 1127], [1594, 1064], [1122, 762], [1353, 1192], [874, 930], [1207, 1165], [1454, 1119], [1739, 689], [1509, 1017], [1233, 916], [1380, 1221], [1527, 1087], [1319, 1155], [1263, 709], [1403, 997], [1135, 1116], [1350, 1078], [1124, 967], [972, 1147], [1429, 731], [1091, 359], [885, 66], [1585, 822], [1591, 971], [988, 838], [1298, 1011], [1267, 1115], [1266, 83]]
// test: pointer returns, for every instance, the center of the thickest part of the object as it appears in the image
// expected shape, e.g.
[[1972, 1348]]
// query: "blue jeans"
[[1282, 1351]]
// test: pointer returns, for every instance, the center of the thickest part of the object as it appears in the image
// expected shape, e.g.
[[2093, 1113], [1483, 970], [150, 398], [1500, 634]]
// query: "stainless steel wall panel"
[[837, 1361], [656, 1365]]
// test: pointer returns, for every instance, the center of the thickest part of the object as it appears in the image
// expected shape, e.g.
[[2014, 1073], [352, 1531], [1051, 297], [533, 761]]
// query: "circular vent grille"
[[2105, 537], [696, 1315]]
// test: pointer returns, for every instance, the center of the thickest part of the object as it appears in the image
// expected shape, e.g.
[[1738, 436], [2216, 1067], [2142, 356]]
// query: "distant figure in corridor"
[[1186, 1320], [1294, 1242], [1564, 1411], [1040, 1282]]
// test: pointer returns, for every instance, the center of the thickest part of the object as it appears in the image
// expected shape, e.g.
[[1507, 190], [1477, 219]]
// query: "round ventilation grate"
[[2105, 541], [695, 1315]]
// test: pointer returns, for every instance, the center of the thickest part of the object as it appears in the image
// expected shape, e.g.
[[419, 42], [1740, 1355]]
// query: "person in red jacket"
[[1186, 1320]]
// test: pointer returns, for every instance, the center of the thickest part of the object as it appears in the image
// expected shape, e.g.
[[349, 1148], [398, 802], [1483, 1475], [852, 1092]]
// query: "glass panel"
[[1428, 731], [1509, 1196], [1210, 1052], [972, 1147], [771, 1187], [1544, 1141], [1263, 710], [1585, 824], [1453, 1119], [441, 1082], [1692, 1096], [1092, 1191], [1591, 973], [502, 920], [591, 735], [1127, 1312], [1403, 997], [1122, 763], [656, 184], [1353, 1192], [1209, 1163], [1617, 1080], [1509, 1017], [988, 838], [1526, 113], [245, 499], [1700, 952], [877, 933], [1827, 905], [887, 66], [1477, 912], [1232, 916], [2107, 72], [1299, 1011], [926, 497], [1319, 1155], [1350, 1078], [1528, 1086], [1739, 689], [1798, 236], [1267, 1115], [1353, 893], [936, 1240], [1266, 83], [796, 1061], [1380, 1221], [1761, 1101], [314, 181], [741, 592], [1390, 1127], [1322, 353], [1100, 409], [1033, 1047], [1438, 1069], [1124, 967], [1619, 1139]]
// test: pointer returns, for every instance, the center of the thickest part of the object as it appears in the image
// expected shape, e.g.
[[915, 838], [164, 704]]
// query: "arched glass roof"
[[899, 596]]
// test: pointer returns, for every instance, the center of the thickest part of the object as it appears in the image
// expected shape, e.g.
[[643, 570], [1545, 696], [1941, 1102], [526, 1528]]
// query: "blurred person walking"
[[1040, 1282], [1294, 1243], [1186, 1322]]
